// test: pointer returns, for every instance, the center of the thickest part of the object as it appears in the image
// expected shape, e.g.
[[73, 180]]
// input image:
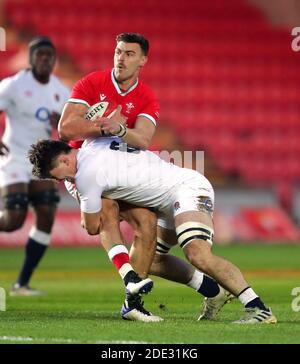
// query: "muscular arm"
[[141, 135], [73, 126]]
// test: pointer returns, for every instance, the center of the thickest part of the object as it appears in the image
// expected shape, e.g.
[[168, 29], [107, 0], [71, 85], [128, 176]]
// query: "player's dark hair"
[[134, 38], [37, 42], [43, 154]]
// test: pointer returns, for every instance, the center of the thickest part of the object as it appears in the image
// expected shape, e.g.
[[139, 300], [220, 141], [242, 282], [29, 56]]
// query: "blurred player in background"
[[182, 198], [140, 112], [32, 101]]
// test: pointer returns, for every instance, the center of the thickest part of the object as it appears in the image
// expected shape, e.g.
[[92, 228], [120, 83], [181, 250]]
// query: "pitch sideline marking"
[[73, 341], [2, 299]]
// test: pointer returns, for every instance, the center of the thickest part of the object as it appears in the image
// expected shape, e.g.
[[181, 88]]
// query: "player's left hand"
[[112, 125], [54, 119]]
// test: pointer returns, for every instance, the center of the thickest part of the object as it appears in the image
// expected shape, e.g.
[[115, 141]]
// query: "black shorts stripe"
[[193, 237], [161, 251], [263, 315], [196, 228], [162, 246]]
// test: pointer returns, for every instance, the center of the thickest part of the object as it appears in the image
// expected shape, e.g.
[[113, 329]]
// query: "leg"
[[198, 252], [169, 266], [165, 265], [44, 198], [143, 247], [112, 241], [195, 232], [177, 270], [15, 201]]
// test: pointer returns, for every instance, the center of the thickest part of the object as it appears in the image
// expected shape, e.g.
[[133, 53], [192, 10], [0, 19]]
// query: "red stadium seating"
[[227, 80]]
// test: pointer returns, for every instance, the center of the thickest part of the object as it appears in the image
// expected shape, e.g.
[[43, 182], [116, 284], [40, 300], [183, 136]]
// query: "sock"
[[250, 299], [204, 285], [119, 257], [33, 254]]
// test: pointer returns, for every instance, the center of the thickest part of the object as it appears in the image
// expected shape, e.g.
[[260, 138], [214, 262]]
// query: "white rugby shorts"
[[13, 170], [185, 198]]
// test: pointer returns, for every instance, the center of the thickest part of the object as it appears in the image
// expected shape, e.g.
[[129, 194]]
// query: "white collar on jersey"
[[120, 92]]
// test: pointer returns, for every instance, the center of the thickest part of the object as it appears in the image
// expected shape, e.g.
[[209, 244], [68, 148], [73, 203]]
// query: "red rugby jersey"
[[138, 100]]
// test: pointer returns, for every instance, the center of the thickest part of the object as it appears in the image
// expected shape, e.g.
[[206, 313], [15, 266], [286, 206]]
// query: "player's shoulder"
[[10, 85], [56, 81], [146, 90], [16, 78]]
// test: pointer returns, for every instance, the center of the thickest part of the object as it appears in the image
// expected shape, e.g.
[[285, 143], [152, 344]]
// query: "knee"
[[13, 222], [198, 256], [158, 258], [157, 262], [45, 217]]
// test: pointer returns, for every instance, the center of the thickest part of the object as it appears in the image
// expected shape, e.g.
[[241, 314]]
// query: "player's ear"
[[143, 61], [63, 158]]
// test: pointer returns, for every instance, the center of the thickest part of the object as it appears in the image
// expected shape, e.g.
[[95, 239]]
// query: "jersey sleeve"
[[90, 192], [151, 109], [5, 94], [82, 92]]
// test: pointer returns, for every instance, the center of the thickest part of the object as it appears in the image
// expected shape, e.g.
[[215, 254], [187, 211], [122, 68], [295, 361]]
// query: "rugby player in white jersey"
[[32, 101], [183, 200]]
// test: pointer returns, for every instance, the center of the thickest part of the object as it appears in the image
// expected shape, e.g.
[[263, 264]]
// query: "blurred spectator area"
[[224, 71]]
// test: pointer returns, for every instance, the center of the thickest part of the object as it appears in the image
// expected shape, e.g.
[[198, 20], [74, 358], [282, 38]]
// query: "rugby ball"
[[101, 109]]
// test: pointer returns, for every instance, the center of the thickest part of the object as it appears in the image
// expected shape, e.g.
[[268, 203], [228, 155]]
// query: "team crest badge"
[[176, 205], [129, 107]]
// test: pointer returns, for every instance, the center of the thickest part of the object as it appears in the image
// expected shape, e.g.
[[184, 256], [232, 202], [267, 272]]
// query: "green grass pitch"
[[85, 293]]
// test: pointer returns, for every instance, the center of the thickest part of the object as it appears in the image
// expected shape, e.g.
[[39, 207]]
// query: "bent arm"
[[91, 222], [73, 125], [141, 135]]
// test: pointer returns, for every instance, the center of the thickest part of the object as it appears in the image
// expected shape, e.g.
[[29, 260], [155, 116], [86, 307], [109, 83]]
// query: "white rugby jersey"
[[28, 105], [105, 167]]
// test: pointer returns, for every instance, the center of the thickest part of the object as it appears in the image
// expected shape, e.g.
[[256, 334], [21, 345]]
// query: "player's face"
[[43, 60], [65, 169], [128, 60]]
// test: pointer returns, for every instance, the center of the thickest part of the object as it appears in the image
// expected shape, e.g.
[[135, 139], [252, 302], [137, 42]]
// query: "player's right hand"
[[3, 149]]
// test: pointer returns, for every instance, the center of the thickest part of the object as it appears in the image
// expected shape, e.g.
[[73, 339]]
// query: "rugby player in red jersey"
[[134, 122]]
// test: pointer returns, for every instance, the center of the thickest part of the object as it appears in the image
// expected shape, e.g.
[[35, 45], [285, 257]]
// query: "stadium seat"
[[237, 98]]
